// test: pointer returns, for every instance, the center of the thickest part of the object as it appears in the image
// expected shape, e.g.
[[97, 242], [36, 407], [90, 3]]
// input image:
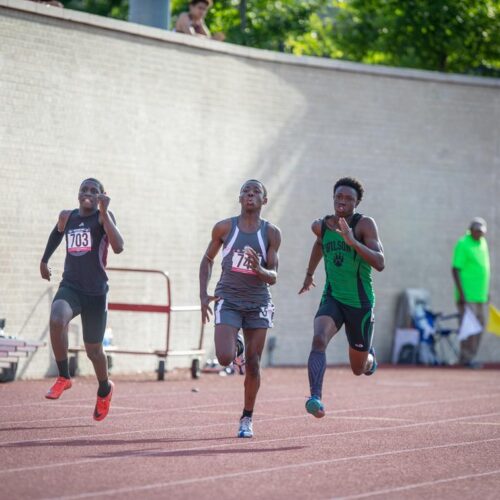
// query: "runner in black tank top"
[[243, 300], [89, 230], [87, 250], [349, 244]]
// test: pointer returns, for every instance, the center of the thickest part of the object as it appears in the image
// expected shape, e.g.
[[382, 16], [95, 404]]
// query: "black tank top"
[[86, 254]]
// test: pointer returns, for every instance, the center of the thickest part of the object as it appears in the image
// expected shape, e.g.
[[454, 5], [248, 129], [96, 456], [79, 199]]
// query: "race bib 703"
[[79, 241]]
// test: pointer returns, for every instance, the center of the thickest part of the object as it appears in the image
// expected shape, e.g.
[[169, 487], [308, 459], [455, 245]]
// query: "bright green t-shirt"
[[471, 257]]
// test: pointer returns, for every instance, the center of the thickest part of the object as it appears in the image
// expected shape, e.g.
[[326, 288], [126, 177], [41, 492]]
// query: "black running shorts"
[[359, 321], [92, 308]]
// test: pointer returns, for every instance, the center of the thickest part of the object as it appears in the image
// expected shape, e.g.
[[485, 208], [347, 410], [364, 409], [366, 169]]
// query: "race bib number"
[[79, 241], [240, 263], [267, 312]]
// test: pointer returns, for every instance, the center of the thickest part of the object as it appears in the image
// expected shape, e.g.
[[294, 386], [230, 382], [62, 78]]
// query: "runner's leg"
[[96, 354], [94, 317], [255, 339], [324, 331], [359, 324], [225, 343], [60, 316], [361, 361]]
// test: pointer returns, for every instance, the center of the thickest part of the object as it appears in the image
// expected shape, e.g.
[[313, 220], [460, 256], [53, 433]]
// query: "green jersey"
[[348, 275]]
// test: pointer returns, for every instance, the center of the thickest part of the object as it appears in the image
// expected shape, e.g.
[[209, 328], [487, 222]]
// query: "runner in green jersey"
[[350, 245]]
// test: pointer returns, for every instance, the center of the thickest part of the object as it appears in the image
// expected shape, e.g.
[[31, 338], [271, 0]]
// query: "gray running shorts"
[[246, 316]]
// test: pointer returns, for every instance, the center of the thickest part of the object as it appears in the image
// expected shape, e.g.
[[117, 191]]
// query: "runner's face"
[[87, 196], [345, 200], [252, 196]]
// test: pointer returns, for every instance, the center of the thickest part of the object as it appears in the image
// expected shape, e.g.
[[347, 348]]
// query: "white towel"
[[470, 325]]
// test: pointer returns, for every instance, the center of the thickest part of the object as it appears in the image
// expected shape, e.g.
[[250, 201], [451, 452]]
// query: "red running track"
[[403, 433]]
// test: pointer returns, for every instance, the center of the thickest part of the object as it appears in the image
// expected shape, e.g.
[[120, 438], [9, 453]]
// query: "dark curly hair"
[[99, 183], [352, 183]]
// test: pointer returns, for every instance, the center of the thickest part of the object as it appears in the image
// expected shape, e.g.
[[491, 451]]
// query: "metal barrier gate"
[[167, 309]]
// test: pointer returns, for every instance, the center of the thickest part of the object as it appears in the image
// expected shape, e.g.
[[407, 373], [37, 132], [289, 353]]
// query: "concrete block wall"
[[173, 126]]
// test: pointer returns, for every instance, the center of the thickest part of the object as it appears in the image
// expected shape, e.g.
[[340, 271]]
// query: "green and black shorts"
[[359, 321]]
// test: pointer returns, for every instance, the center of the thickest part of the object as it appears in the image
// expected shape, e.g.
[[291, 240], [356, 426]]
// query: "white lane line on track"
[[158, 393], [236, 442], [418, 485], [168, 410], [481, 423], [123, 396], [136, 395], [386, 419], [161, 394], [302, 416], [64, 419], [390, 383], [90, 405], [146, 412], [228, 413], [182, 482]]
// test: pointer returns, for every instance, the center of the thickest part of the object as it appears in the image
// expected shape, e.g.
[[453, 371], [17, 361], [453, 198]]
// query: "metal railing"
[[166, 309]]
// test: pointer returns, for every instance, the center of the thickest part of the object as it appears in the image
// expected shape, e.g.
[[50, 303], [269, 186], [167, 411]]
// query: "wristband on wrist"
[[309, 273]]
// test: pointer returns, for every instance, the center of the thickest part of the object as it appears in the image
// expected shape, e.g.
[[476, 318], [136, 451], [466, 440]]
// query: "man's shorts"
[[244, 315], [359, 321], [92, 308]]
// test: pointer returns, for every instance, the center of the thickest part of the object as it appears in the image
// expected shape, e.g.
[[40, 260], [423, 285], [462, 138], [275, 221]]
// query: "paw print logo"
[[338, 259]]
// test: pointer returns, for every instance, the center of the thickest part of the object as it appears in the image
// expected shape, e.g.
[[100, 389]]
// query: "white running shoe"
[[239, 360], [246, 428]]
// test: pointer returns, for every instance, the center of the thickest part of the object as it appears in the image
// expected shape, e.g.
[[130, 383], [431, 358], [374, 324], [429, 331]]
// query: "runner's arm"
[[314, 259], [108, 222], [53, 242], [268, 275], [219, 231], [370, 247]]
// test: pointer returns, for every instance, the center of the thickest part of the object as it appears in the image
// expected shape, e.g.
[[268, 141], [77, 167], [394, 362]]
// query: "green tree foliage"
[[109, 8], [447, 35]]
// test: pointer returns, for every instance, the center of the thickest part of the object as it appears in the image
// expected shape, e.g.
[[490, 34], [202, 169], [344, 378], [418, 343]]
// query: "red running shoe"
[[102, 405], [60, 385]]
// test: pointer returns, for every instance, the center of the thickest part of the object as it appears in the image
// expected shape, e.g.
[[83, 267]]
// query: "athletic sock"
[[247, 413], [104, 388], [240, 347], [368, 368], [63, 367], [316, 367]]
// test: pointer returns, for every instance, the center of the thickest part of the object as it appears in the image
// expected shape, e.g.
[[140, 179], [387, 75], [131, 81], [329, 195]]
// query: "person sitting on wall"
[[193, 22]]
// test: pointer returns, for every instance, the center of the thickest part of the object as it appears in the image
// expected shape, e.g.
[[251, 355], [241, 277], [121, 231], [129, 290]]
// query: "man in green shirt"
[[471, 274]]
